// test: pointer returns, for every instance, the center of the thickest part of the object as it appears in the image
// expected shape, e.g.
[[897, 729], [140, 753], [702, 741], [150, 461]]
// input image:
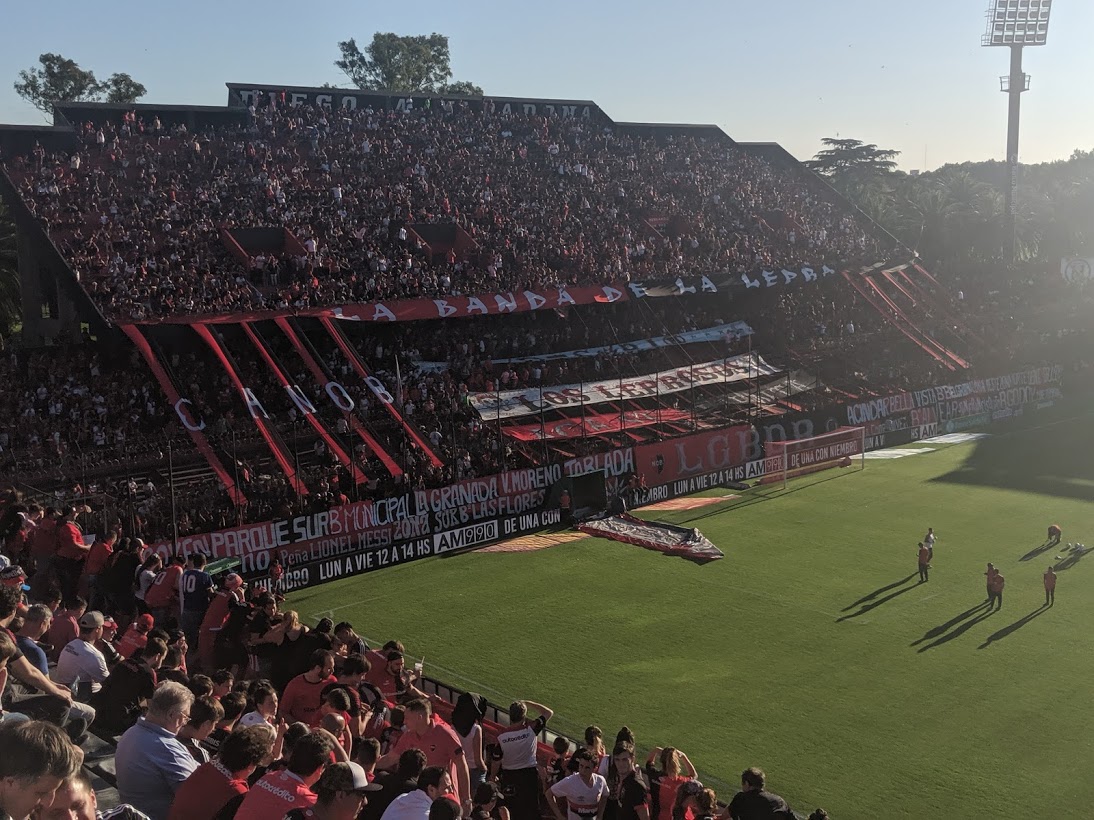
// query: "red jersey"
[[205, 792], [132, 641], [275, 795], [43, 539], [924, 555], [440, 743], [996, 582], [1050, 581], [302, 699], [164, 591]]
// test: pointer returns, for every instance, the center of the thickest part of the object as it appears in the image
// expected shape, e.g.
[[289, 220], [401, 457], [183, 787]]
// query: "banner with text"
[[718, 333], [594, 424], [515, 403]]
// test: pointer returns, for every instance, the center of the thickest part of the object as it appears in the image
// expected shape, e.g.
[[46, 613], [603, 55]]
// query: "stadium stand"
[[300, 304]]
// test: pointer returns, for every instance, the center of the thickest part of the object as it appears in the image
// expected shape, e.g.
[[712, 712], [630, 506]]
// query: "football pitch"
[[810, 650]]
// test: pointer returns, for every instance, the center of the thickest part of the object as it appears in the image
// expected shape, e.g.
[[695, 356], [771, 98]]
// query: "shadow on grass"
[[935, 631], [757, 495], [1069, 560], [1014, 627], [982, 615], [1033, 553], [1032, 460], [878, 591], [875, 604]]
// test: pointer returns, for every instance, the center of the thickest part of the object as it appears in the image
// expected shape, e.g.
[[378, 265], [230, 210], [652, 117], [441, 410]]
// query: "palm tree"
[[10, 301]]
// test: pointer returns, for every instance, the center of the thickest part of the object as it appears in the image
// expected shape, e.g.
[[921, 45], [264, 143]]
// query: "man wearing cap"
[[216, 616], [80, 662], [105, 644], [136, 636], [340, 792], [14, 576]]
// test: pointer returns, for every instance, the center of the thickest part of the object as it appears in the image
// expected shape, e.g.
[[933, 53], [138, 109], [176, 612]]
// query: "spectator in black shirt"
[[627, 790], [754, 803], [130, 684], [403, 780]]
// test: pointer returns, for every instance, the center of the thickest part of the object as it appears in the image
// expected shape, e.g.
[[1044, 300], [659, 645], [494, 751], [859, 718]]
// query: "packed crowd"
[[225, 705], [91, 421], [138, 209]]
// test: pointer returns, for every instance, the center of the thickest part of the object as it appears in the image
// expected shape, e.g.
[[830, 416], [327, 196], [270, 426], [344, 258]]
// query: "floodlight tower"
[[1015, 24]]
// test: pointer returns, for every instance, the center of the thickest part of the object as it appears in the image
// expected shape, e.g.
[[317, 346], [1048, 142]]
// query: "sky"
[[908, 75]]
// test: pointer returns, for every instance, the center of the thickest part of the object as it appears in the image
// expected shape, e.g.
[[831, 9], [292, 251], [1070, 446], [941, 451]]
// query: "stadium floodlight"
[[1015, 24]]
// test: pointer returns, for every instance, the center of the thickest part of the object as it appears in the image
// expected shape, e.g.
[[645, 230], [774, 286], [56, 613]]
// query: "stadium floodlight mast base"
[[1015, 24]]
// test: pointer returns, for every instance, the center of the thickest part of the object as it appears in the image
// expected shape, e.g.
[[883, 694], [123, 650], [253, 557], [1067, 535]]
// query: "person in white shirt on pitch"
[[80, 661], [928, 542]]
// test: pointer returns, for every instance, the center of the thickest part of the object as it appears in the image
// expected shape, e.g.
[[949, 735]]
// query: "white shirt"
[[412, 806], [929, 539], [582, 800], [80, 662]]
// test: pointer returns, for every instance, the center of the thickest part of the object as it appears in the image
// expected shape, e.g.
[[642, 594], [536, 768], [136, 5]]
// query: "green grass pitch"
[[810, 649]]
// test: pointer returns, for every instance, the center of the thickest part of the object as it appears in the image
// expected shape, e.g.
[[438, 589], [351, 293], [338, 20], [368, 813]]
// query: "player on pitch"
[[924, 562], [1054, 534], [1050, 586]]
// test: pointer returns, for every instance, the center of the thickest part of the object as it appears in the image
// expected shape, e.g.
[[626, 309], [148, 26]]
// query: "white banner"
[[509, 404], [723, 332], [1077, 269]]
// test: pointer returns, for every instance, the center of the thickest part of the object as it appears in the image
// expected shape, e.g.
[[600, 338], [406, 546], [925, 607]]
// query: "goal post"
[[840, 448]]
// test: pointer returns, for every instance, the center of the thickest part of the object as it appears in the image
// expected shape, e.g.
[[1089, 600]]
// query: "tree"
[[841, 156], [121, 88], [10, 299], [411, 64], [59, 79]]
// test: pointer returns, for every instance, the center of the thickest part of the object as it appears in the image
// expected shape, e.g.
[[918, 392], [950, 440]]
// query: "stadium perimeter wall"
[[370, 535]]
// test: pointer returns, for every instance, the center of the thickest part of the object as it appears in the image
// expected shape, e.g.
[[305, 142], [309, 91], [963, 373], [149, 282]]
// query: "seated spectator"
[[221, 784], [367, 754], [204, 715], [136, 636], [39, 698], [433, 784], [265, 700], [753, 802], [35, 758], [340, 794], [128, 688], [76, 800], [105, 644], [35, 624], [7, 652], [65, 626], [151, 763], [278, 793], [304, 694], [171, 668], [393, 784], [234, 703], [81, 666]]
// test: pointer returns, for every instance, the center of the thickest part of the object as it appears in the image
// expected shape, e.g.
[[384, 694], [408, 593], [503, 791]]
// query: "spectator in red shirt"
[[43, 542], [439, 741], [97, 559], [278, 793], [136, 636], [163, 596], [65, 626], [218, 784], [304, 694], [71, 553]]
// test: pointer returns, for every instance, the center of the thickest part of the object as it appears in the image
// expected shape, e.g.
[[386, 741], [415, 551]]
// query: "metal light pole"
[[171, 486], [1015, 24]]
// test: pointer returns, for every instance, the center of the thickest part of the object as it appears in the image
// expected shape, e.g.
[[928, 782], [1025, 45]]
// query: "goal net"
[[841, 448]]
